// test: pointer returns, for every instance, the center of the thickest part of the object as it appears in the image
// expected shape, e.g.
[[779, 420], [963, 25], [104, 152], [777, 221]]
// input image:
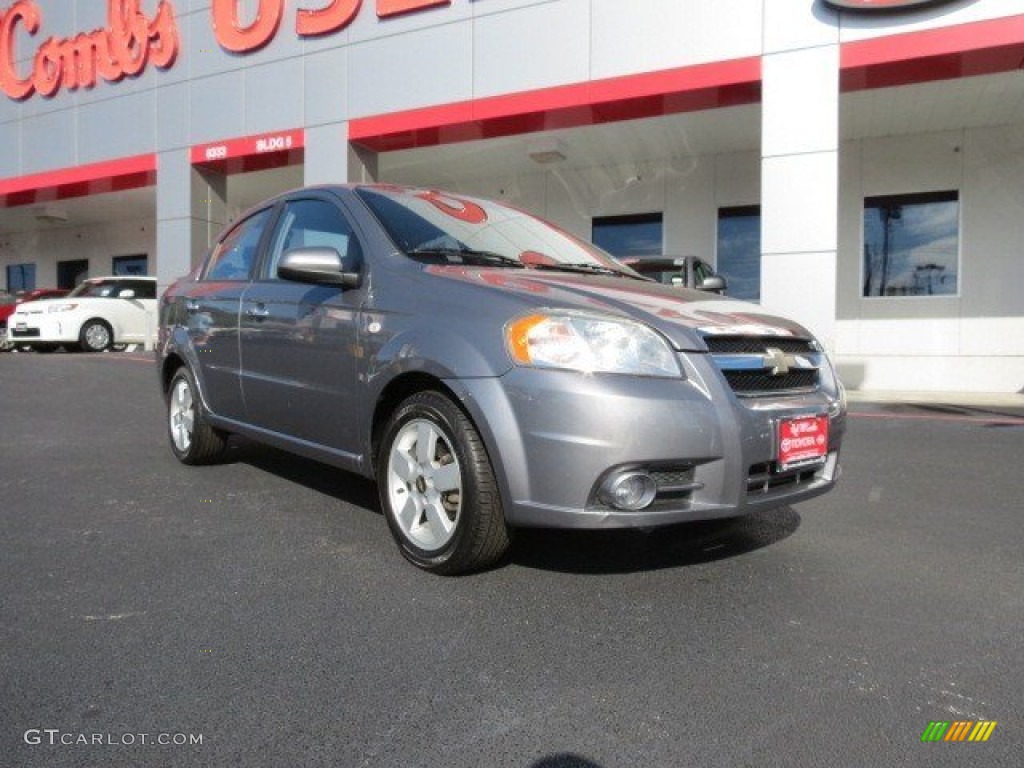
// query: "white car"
[[99, 313]]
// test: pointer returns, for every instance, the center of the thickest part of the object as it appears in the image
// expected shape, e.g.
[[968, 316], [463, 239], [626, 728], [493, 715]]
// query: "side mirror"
[[127, 293], [713, 284], [320, 265]]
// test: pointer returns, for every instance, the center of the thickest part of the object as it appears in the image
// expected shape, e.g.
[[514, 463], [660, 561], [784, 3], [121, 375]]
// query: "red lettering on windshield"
[[456, 207]]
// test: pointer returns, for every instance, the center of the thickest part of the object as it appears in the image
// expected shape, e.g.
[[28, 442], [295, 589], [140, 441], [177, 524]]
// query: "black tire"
[[95, 336], [479, 536], [193, 441]]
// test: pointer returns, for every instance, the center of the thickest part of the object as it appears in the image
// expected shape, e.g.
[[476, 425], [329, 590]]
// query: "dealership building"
[[855, 164]]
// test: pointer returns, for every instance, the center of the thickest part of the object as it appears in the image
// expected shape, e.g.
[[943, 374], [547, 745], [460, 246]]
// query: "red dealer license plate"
[[802, 441]]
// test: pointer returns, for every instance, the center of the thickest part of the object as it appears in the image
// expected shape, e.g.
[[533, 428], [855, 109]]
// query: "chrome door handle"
[[259, 311]]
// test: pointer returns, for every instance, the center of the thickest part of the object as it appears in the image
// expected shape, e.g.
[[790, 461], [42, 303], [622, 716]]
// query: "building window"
[[739, 251], [635, 235], [21, 277], [71, 273], [130, 265], [912, 245]]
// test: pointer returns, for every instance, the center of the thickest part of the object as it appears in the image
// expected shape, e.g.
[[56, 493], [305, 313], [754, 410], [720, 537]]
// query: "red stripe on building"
[[964, 50], [685, 89], [79, 181]]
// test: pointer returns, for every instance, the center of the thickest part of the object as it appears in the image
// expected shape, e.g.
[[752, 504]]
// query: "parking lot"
[[258, 612]]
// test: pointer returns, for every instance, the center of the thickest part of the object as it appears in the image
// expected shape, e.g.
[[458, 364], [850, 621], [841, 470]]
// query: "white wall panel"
[[802, 286], [993, 228], [548, 43], [48, 142], [737, 179], [922, 163], [798, 212], [690, 210], [663, 34], [425, 68], [792, 25], [327, 156], [326, 87], [217, 107], [10, 156], [172, 116], [274, 96], [96, 140], [800, 104]]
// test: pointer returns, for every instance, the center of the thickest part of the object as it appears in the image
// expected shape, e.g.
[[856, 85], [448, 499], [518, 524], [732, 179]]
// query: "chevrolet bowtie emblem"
[[778, 361]]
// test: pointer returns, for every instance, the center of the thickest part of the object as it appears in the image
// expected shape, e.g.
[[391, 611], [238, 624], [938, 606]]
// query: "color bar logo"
[[960, 730]]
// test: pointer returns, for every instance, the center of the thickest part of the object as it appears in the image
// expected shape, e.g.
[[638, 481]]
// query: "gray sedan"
[[489, 370]]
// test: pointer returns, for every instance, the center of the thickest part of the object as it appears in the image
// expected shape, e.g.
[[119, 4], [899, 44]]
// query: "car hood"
[[683, 316]]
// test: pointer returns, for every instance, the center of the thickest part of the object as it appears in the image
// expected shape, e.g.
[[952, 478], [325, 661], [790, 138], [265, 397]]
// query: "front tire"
[[193, 441], [95, 336], [437, 488]]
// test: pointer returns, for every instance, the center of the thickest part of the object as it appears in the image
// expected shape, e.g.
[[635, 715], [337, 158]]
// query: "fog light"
[[629, 490]]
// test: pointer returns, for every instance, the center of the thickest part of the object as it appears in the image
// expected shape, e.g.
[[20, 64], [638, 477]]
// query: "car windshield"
[[102, 289], [436, 227]]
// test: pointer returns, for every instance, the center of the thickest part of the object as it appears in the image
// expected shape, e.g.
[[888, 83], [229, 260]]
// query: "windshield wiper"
[[583, 268], [462, 255]]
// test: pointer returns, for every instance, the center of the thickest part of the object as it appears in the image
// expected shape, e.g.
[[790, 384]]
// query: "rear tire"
[[95, 336], [437, 488], [193, 441]]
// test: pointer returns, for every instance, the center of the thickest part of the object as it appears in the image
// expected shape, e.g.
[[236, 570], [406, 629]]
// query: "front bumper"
[[42, 329], [554, 435]]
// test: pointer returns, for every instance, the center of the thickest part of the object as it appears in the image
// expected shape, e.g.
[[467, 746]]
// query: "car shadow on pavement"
[[345, 486], [551, 549], [629, 551]]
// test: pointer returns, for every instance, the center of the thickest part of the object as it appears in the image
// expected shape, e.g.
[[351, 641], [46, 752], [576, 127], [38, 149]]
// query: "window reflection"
[[912, 245], [739, 250], [634, 235]]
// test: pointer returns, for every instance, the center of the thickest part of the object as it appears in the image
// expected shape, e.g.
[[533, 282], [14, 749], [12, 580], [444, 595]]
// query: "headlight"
[[62, 307], [589, 343]]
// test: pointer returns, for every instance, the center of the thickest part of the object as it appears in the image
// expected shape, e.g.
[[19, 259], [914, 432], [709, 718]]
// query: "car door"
[[136, 314], [299, 344], [212, 313]]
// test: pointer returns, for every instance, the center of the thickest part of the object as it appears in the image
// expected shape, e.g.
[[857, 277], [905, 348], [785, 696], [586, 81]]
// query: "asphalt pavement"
[[257, 613]]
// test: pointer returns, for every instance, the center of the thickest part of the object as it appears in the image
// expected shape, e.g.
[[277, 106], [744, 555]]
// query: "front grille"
[[757, 345], [764, 478], [767, 365], [764, 381]]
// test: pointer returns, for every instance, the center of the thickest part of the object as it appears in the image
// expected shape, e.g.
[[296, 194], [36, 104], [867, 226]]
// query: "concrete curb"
[[983, 399]]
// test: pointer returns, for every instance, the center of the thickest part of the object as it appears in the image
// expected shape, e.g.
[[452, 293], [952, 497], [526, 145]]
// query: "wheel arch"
[[394, 393], [168, 368], [100, 319]]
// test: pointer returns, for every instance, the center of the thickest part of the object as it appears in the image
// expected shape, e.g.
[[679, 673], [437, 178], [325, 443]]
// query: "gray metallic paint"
[[550, 434]]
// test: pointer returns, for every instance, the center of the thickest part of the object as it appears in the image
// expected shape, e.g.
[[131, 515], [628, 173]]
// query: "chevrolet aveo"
[[490, 371]]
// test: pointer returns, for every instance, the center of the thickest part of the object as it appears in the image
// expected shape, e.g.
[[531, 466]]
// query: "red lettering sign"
[[387, 8], [123, 49], [131, 41], [334, 17], [230, 32], [879, 5]]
